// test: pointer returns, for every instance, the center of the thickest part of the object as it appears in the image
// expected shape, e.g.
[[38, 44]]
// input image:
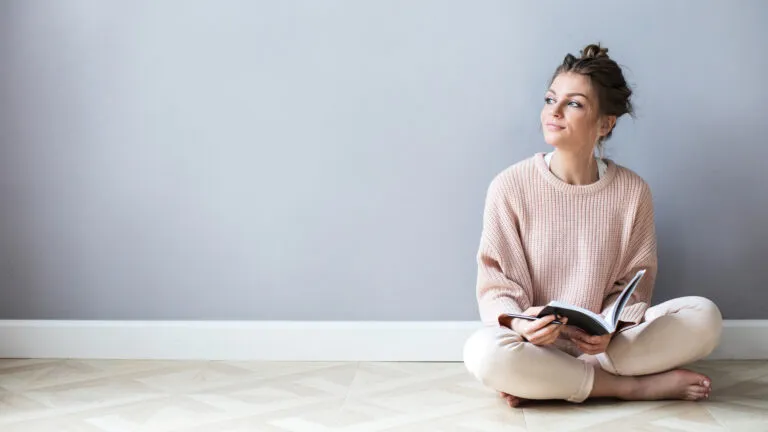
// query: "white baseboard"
[[284, 341]]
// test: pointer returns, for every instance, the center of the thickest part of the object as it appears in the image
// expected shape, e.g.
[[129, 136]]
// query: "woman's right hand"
[[540, 332]]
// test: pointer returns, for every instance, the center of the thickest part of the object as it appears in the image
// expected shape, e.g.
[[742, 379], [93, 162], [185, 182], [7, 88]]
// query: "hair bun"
[[593, 51]]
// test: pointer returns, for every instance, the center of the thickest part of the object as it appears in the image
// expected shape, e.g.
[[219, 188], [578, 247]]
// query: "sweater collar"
[[543, 168]]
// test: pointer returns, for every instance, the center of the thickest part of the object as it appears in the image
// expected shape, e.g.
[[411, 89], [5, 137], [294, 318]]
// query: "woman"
[[571, 226]]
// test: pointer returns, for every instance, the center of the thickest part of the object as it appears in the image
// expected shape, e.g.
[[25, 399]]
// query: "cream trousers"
[[673, 334]]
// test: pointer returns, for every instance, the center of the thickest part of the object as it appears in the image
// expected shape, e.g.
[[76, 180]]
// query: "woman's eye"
[[548, 100], [574, 104]]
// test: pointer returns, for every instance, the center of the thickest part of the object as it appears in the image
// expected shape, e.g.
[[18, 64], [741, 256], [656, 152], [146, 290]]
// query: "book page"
[[618, 306]]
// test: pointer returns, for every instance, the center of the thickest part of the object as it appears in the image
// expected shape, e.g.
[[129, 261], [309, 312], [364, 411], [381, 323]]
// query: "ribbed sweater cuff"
[[501, 306], [634, 313]]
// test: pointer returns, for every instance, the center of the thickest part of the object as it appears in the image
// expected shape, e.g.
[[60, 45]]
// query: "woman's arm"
[[640, 254], [503, 281]]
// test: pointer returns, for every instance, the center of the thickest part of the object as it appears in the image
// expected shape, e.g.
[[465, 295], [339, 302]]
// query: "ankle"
[[615, 386], [631, 388]]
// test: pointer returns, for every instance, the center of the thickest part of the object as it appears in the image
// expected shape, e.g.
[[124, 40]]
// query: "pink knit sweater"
[[544, 239]]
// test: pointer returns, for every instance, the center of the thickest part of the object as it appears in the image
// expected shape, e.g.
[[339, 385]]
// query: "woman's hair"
[[607, 79]]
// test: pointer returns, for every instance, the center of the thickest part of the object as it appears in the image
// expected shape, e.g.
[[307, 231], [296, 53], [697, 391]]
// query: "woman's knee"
[[490, 354], [703, 319], [710, 322], [686, 329]]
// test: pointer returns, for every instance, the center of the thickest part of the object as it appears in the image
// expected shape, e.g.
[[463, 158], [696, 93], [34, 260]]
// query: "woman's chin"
[[558, 142], [552, 139]]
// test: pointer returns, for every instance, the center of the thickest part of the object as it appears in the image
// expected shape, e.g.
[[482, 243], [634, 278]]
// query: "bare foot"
[[675, 384], [512, 401]]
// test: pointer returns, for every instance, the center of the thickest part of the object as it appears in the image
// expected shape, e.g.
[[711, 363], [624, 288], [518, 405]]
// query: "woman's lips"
[[554, 127]]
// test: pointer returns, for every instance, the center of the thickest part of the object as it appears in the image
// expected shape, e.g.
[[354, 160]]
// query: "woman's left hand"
[[586, 343]]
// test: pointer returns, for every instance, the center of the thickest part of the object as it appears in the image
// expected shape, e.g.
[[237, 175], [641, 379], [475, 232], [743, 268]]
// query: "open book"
[[590, 322]]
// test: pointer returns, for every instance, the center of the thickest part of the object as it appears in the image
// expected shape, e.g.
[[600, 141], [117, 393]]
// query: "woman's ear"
[[606, 124]]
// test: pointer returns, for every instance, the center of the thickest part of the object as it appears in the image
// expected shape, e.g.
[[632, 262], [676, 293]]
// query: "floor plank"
[[213, 396]]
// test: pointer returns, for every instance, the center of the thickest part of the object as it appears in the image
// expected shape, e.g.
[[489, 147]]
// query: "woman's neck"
[[574, 168]]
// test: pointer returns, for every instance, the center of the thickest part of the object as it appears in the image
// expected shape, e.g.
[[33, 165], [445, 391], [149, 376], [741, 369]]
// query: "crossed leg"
[[640, 363]]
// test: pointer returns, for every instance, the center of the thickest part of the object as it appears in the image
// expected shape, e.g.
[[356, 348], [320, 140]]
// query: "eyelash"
[[576, 104]]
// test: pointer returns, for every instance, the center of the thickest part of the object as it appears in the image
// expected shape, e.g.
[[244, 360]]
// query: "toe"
[[696, 393]]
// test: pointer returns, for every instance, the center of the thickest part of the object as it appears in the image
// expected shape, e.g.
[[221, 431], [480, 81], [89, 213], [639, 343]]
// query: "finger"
[[543, 342], [594, 339], [580, 342], [569, 332], [594, 342], [552, 330], [552, 338], [589, 349], [558, 331], [592, 348], [563, 326], [583, 342], [540, 323], [548, 339], [541, 333], [545, 339], [546, 331], [581, 335], [583, 348]]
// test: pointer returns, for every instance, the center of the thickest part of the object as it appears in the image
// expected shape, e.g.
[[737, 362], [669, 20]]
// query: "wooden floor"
[[118, 396]]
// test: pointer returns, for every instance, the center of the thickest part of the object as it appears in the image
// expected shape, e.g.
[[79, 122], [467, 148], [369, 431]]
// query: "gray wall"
[[327, 160]]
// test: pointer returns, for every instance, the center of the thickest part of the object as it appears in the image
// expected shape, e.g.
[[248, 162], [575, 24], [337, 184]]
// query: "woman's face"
[[570, 118]]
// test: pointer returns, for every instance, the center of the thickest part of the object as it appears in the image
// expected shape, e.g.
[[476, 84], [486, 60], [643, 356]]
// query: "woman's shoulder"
[[508, 183], [630, 189], [518, 172], [628, 178]]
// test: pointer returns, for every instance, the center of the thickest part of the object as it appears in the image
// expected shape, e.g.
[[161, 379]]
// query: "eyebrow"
[[570, 94]]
